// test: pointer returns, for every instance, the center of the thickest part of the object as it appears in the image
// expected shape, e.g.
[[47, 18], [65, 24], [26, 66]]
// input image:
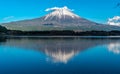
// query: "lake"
[[59, 55]]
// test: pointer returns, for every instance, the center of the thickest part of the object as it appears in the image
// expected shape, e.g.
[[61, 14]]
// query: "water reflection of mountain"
[[61, 50]]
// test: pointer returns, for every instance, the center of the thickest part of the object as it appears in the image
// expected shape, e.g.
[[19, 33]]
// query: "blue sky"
[[94, 10]]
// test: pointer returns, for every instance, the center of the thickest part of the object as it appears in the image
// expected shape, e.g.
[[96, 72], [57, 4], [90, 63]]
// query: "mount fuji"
[[58, 19]]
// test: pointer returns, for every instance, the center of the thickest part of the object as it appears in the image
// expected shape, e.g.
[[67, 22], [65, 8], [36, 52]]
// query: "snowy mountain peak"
[[60, 13]]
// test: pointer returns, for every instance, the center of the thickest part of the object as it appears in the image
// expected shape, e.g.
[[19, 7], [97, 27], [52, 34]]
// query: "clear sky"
[[95, 10]]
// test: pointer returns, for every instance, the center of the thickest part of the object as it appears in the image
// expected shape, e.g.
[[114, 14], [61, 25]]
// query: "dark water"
[[59, 56]]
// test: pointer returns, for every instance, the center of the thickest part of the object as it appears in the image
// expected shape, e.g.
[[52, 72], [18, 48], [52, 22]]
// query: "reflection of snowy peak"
[[60, 49], [61, 13], [61, 55]]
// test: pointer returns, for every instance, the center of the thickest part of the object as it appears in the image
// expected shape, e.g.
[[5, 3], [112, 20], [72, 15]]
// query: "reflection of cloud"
[[114, 21], [61, 55], [114, 47]]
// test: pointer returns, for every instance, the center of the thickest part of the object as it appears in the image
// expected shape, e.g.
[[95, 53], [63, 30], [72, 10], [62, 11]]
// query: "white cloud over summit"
[[114, 21], [57, 8]]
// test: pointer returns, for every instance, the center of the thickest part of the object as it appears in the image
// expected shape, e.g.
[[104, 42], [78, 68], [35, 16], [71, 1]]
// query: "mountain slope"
[[58, 19]]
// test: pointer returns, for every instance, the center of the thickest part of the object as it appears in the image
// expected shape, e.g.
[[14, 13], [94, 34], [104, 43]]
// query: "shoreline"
[[24, 36]]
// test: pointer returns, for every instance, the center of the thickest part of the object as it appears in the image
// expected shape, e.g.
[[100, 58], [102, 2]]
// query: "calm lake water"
[[59, 56]]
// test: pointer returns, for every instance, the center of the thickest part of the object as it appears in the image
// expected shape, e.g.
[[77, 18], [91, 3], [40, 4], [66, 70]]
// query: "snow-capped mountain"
[[65, 17], [61, 13], [58, 19]]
